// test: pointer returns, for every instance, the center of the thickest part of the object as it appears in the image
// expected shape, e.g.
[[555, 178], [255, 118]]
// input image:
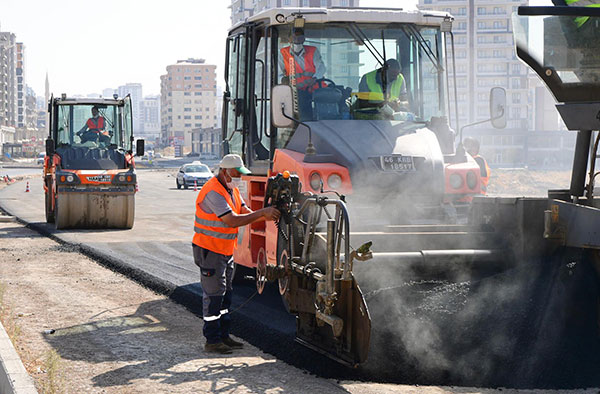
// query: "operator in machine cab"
[[580, 20], [302, 66], [220, 210], [472, 147], [95, 128], [386, 101]]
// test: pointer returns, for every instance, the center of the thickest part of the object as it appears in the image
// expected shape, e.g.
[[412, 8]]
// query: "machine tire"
[[48, 196], [177, 182], [59, 221]]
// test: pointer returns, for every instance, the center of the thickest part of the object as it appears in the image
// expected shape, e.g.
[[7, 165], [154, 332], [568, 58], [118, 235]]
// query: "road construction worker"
[[372, 94], [95, 128], [220, 210], [302, 66], [471, 145]]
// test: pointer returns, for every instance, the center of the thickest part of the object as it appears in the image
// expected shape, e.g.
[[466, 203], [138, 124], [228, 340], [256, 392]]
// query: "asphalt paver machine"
[[89, 169], [346, 175]]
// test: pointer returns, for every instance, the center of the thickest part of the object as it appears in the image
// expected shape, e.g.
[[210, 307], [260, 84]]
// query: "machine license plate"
[[100, 178], [397, 163]]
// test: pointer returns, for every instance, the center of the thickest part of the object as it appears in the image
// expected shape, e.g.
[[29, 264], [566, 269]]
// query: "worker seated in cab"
[[375, 101], [94, 129], [302, 67]]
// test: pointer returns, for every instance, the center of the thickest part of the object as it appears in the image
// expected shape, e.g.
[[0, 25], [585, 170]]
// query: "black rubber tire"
[[177, 182], [48, 206]]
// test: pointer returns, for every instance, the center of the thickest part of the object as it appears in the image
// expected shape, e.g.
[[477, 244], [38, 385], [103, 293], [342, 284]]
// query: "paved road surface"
[[12, 172]]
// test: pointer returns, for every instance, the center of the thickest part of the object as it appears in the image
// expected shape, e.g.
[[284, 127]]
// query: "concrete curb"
[[14, 379]]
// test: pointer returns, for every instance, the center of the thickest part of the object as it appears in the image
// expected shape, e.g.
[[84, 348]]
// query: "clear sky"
[[86, 46]]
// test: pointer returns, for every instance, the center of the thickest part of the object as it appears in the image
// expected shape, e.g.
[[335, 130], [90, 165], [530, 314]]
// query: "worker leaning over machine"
[[384, 89], [220, 210]]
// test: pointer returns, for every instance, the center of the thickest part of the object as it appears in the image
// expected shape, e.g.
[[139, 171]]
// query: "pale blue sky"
[[87, 46]]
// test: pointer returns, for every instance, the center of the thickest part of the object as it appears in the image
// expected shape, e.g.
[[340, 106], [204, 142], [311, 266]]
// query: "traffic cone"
[[195, 186], [27, 187]]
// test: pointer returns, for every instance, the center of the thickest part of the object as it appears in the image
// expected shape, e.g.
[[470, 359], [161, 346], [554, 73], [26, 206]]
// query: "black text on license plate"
[[397, 163]]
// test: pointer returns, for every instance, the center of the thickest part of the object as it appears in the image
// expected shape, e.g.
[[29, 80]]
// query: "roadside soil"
[[521, 182]]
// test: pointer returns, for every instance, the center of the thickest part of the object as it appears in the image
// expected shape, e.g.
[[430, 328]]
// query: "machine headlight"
[[70, 178], [122, 178], [315, 181], [456, 181], [471, 180], [334, 181]]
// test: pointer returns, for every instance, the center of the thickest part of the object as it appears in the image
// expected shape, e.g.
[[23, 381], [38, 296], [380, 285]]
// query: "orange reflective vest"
[[292, 68], [96, 127], [210, 232], [485, 177]]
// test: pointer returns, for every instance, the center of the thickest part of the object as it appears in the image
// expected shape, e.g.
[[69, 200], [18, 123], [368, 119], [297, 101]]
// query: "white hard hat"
[[234, 161]]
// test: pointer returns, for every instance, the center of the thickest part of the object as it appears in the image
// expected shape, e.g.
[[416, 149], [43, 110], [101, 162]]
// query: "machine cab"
[[347, 51], [91, 134]]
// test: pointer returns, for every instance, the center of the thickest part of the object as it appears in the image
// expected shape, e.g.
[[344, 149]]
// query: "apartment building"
[[150, 118], [485, 57], [136, 92], [8, 79], [242, 9], [21, 87], [187, 101]]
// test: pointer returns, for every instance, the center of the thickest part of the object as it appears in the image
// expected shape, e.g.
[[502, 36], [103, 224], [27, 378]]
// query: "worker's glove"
[[387, 110]]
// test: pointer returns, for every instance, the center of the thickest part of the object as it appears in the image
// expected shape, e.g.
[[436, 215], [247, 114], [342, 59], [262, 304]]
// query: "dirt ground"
[[520, 182]]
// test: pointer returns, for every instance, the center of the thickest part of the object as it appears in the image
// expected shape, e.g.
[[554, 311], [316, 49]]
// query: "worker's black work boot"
[[218, 347], [232, 343]]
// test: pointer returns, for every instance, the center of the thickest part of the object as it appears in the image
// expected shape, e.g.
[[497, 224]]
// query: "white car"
[[195, 172]]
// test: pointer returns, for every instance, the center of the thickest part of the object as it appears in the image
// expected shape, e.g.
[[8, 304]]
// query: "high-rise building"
[[8, 79], [485, 58], [188, 94], [8, 88], [150, 117], [21, 87], [135, 90], [242, 9], [108, 92]]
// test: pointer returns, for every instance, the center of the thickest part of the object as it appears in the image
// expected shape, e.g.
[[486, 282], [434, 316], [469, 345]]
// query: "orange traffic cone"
[[27, 187], [195, 186]]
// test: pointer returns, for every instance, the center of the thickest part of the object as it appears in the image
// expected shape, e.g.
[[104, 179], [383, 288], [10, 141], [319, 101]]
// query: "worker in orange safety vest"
[[95, 128], [301, 66], [220, 211], [471, 145]]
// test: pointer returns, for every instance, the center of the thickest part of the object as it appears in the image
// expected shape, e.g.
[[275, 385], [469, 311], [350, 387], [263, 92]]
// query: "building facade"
[[21, 87], [136, 92], [242, 9], [8, 79], [187, 101], [150, 118], [207, 142], [485, 58]]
